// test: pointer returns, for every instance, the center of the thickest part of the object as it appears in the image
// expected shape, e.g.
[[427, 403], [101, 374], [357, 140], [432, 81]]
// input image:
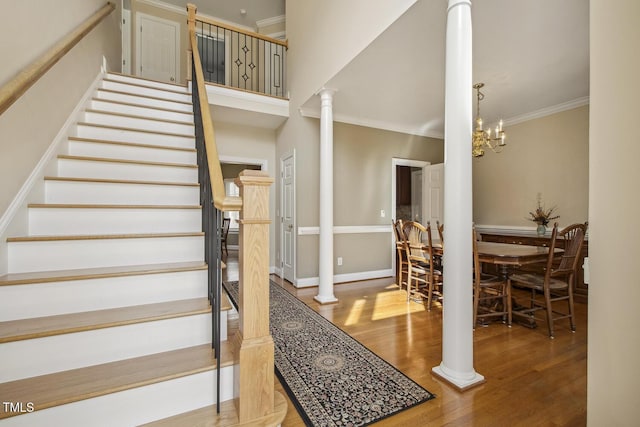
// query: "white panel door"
[[287, 230], [433, 195], [158, 48], [126, 41]]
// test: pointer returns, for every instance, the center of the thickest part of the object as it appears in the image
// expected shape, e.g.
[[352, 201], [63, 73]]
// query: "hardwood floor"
[[530, 379]]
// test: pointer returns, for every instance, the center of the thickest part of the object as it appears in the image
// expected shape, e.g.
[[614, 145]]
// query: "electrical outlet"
[[382, 213], [339, 260]]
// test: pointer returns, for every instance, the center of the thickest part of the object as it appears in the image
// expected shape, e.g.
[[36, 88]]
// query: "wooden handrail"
[[220, 198], [284, 43], [17, 86]]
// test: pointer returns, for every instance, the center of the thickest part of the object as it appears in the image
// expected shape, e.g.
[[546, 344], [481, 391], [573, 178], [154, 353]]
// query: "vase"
[[541, 230]]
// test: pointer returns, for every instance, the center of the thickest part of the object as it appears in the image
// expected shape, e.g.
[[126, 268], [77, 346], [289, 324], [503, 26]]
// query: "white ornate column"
[[325, 261], [457, 331]]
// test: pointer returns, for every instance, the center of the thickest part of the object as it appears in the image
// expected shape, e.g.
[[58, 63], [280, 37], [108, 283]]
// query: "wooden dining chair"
[[402, 264], [423, 276], [440, 232], [556, 284], [491, 295], [224, 233]]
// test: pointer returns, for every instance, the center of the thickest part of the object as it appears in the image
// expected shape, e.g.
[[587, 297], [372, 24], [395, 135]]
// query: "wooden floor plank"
[[530, 379]]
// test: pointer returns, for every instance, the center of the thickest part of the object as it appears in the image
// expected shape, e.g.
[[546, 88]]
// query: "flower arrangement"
[[541, 215]]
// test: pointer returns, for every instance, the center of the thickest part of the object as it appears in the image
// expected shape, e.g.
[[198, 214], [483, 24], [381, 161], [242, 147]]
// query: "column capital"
[[454, 3], [326, 92]]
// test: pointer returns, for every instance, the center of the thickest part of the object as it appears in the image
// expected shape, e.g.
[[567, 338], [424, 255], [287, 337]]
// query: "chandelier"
[[483, 138]]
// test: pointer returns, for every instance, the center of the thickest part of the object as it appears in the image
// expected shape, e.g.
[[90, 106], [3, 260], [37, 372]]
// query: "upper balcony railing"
[[241, 59]]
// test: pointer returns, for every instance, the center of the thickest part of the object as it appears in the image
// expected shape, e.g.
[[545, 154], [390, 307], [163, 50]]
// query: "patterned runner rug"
[[332, 379]]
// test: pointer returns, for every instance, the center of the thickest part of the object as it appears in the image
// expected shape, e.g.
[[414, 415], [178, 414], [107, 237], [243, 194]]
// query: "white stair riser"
[[138, 90], [39, 356], [130, 152], [145, 82], [69, 254], [142, 100], [135, 110], [119, 193], [136, 406], [137, 123], [140, 137], [72, 168], [54, 298], [123, 135], [96, 221]]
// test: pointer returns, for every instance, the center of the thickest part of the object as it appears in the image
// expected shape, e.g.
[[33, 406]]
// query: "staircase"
[[104, 316]]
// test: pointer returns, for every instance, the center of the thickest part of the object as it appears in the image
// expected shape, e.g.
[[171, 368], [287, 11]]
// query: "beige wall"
[[549, 155], [30, 125], [614, 174], [324, 36], [362, 188], [246, 142]]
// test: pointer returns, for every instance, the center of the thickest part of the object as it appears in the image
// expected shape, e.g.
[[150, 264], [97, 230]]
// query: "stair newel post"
[[191, 26], [191, 16], [253, 344]]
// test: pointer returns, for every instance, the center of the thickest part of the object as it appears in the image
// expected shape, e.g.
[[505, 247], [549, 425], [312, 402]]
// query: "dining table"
[[509, 257]]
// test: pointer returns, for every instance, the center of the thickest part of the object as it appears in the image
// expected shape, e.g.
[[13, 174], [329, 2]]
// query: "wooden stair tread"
[[134, 116], [180, 85], [150, 107], [100, 237], [59, 388], [207, 416], [143, 96], [121, 128], [130, 144], [98, 273], [184, 90], [94, 206], [38, 327], [134, 162], [120, 181]]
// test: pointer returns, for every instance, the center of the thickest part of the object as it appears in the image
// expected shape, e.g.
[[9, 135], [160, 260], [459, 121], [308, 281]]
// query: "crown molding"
[[271, 21], [376, 124], [554, 109]]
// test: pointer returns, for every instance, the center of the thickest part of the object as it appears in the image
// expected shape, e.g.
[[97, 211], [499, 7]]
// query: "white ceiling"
[[532, 55], [229, 10]]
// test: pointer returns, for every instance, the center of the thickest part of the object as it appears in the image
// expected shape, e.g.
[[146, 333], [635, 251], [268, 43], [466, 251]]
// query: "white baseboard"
[[306, 282]]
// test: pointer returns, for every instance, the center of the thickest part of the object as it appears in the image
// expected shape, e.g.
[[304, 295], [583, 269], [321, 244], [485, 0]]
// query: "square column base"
[[325, 300], [460, 385]]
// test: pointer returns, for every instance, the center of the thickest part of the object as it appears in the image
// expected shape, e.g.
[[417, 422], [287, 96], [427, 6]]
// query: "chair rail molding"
[[347, 229]]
